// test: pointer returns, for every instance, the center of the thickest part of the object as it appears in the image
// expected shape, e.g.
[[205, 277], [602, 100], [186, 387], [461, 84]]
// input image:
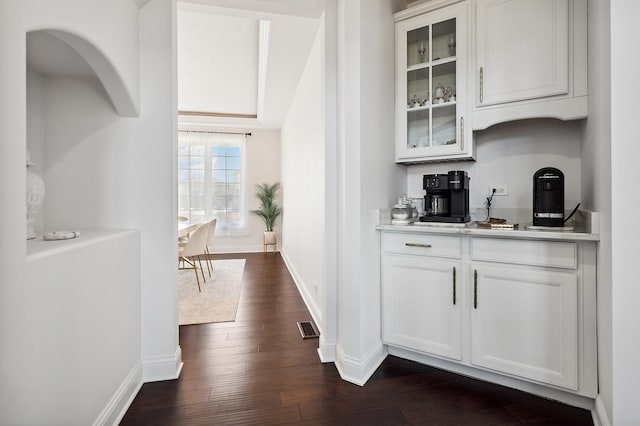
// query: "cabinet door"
[[421, 304], [522, 50], [431, 89], [525, 323]]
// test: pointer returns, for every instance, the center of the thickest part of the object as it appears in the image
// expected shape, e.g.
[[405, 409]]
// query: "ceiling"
[[241, 65], [244, 60]]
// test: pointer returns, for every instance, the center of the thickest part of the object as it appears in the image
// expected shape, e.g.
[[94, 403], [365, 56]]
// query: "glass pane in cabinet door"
[[444, 125], [418, 46], [418, 88], [444, 83], [418, 128], [444, 39]]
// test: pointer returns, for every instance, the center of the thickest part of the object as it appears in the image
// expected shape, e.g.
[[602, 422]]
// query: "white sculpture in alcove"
[[35, 197]]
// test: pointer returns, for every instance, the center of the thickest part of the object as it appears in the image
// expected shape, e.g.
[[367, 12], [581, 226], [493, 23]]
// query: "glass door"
[[431, 63], [431, 85]]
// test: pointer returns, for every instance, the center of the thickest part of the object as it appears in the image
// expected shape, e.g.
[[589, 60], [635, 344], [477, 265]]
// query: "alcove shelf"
[[89, 239]]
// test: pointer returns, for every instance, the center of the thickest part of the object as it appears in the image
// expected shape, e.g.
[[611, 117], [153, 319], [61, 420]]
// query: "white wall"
[[625, 150], [262, 165], [83, 150], [105, 171], [511, 153], [367, 177], [380, 178], [596, 185], [151, 189], [24, 284], [89, 19], [303, 224], [96, 153], [80, 359]]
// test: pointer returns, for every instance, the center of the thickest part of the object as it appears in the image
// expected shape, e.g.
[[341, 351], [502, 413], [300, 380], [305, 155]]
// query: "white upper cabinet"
[[522, 49], [431, 85], [530, 60]]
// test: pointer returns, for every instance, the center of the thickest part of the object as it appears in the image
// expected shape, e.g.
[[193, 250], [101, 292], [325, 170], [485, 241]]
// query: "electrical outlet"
[[501, 189]]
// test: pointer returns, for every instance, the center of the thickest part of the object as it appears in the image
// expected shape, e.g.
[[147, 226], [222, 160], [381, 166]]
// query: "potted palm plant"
[[269, 210]]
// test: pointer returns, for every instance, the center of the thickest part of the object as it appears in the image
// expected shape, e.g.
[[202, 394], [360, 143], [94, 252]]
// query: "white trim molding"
[[599, 414], [264, 42], [302, 289], [162, 368], [327, 350], [358, 371], [119, 403], [241, 249]]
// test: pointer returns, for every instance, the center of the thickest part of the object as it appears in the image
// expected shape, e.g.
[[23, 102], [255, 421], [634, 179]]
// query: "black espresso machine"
[[548, 197], [447, 197]]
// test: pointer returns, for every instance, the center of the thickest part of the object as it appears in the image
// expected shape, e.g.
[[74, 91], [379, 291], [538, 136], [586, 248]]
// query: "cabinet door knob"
[[475, 289], [417, 245], [454, 285]]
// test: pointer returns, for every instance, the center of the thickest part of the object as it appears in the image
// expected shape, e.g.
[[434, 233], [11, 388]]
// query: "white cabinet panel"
[[522, 49], [529, 60], [525, 323], [536, 253], [421, 304], [422, 245]]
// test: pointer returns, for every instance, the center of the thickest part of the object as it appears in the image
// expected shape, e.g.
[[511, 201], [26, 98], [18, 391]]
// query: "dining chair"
[[212, 232], [192, 251]]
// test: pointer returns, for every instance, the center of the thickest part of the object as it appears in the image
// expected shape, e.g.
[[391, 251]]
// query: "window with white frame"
[[211, 180]]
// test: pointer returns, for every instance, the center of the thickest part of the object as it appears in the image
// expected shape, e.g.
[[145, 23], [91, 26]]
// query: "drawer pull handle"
[[475, 289], [417, 245], [481, 84], [462, 133], [454, 285]]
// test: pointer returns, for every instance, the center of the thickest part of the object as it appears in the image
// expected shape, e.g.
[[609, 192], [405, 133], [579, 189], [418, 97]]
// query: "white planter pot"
[[269, 237]]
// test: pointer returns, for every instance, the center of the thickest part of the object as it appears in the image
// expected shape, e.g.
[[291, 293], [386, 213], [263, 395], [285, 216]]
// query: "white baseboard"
[[327, 350], [302, 289], [599, 414], [358, 371], [240, 249], [488, 376], [119, 403], [162, 368]]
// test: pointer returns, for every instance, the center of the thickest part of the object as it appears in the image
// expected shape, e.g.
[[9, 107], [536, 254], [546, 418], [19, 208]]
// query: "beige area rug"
[[220, 295]]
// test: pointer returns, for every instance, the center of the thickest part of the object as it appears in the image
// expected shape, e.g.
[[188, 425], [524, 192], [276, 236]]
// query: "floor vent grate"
[[307, 330]]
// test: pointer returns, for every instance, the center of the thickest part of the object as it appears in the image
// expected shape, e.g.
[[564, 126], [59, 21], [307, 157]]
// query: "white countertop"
[[473, 230]]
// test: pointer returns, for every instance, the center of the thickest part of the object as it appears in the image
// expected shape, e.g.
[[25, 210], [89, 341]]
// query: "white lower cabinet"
[[521, 308], [421, 304], [525, 322]]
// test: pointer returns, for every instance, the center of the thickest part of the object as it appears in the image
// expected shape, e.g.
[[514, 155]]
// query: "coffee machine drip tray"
[[549, 228], [442, 224], [444, 219]]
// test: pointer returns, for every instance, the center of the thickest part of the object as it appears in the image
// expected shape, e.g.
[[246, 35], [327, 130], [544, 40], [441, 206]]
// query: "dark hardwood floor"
[[258, 371]]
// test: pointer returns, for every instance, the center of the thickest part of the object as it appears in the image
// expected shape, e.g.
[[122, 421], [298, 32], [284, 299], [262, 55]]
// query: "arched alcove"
[[76, 132], [66, 53]]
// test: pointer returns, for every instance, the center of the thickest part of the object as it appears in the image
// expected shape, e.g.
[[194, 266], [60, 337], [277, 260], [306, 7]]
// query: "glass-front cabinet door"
[[431, 87]]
